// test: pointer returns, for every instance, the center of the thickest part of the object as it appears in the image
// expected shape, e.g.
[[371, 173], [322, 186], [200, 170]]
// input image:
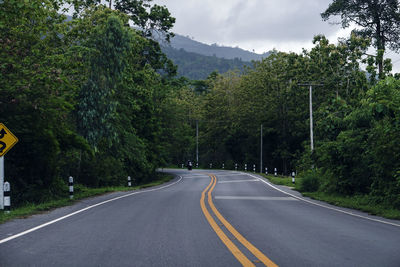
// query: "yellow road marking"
[[228, 243], [256, 252]]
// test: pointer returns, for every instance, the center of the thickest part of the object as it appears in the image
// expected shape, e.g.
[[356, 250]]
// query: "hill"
[[186, 43], [196, 60]]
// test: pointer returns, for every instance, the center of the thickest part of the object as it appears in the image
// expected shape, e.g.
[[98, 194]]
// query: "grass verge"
[[358, 202], [283, 180], [80, 192]]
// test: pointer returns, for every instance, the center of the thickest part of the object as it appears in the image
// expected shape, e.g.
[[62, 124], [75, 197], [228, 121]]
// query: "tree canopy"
[[378, 19]]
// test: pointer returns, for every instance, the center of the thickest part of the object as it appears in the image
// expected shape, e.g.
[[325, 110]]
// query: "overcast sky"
[[259, 25], [287, 25]]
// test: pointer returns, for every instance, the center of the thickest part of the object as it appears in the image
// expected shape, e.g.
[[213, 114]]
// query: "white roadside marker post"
[[245, 167], [71, 187], [275, 172], [7, 197], [223, 166], [254, 168], [293, 177], [266, 171], [235, 166], [129, 181]]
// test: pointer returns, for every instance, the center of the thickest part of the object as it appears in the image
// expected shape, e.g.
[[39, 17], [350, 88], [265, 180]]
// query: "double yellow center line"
[[224, 238]]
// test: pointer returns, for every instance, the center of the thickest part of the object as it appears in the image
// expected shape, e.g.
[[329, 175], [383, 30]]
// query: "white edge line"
[[82, 210], [323, 206]]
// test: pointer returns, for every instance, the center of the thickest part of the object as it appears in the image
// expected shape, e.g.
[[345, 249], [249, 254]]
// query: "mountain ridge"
[[196, 60], [190, 45]]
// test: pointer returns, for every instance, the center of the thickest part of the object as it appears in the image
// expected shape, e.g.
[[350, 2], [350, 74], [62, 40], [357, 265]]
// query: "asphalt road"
[[202, 218]]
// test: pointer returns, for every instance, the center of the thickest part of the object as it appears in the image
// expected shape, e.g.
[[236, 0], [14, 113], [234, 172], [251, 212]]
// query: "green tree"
[[217, 118], [150, 18], [36, 96], [378, 19], [109, 44]]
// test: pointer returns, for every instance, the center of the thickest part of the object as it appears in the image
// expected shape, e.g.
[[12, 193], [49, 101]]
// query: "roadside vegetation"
[[306, 184]]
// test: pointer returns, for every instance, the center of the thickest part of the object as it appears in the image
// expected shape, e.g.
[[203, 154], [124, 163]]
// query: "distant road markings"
[[82, 210], [196, 176], [256, 198], [206, 176], [237, 181], [229, 175], [228, 243]]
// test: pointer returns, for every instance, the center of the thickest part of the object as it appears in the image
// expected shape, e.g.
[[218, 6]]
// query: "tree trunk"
[[380, 45]]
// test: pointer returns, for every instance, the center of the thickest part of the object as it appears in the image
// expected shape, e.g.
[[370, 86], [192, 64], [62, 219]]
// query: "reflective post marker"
[[223, 166], [254, 168], [129, 181], [266, 171], [235, 166], [293, 177], [245, 167], [71, 187], [7, 197], [275, 172]]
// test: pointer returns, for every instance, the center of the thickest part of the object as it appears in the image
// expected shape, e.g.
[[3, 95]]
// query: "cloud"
[[252, 24], [283, 20]]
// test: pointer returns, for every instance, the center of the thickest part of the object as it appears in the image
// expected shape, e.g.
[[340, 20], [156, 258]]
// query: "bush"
[[310, 181]]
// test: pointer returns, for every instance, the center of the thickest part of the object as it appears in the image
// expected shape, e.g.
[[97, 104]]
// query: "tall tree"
[[109, 44], [149, 18], [378, 19]]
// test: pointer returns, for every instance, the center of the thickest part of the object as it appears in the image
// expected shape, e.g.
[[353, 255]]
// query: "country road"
[[202, 218]]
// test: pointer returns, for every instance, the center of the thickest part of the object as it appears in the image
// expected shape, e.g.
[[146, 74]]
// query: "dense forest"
[[98, 100], [86, 97]]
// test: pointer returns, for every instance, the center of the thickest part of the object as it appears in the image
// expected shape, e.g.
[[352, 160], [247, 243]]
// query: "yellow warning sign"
[[7, 139]]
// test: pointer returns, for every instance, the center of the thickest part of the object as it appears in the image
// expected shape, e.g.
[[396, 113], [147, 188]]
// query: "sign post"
[[7, 141], [1, 183]]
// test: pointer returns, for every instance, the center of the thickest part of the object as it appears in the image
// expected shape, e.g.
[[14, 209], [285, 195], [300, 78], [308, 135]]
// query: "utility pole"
[[261, 150], [311, 121], [197, 142], [311, 111]]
